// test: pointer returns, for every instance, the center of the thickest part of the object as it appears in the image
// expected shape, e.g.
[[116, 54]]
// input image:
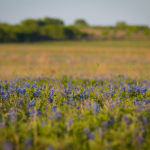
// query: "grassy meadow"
[[86, 58], [87, 95]]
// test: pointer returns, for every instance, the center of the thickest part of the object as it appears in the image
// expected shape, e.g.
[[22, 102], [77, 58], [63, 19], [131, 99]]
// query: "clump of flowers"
[[75, 113]]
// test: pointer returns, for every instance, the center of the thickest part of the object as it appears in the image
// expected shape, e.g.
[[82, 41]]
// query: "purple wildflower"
[[5, 97], [7, 146], [28, 142], [21, 91], [37, 92], [147, 101], [54, 108], [95, 108], [20, 102], [89, 134], [136, 102], [57, 115], [31, 103]]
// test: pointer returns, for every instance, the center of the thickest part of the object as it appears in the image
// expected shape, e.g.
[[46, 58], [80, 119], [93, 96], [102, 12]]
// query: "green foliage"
[[74, 113], [80, 22], [30, 30], [53, 21], [43, 22], [121, 25], [71, 32], [52, 32]]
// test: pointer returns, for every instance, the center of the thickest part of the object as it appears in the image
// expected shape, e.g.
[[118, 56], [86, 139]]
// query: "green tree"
[[80, 22], [121, 25], [72, 32], [52, 32], [53, 21]]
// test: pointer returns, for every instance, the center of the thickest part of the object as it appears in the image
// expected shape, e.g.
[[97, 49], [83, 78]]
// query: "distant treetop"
[[121, 24], [43, 22], [80, 22], [53, 21]]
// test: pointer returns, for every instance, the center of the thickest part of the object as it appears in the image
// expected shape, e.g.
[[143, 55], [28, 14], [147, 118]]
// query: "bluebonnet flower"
[[104, 124], [49, 148], [134, 89], [127, 120], [34, 85], [78, 108], [1, 106], [21, 91], [31, 103], [51, 96], [70, 121], [12, 115], [112, 92], [89, 134], [95, 108], [136, 102], [138, 88], [50, 117], [7, 146], [144, 120], [82, 94], [139, 140], [117, 102], [107, 94], [100, 132], [57, 115], [10, 91], [111, 121], [129, 89], [37, 92], [20, 102], [67, 91], [120, 84], [26, 95], [50, 99], [2, 93], [2, 124], [71, 98], [53, 79], [37, 112], [28, 142], [143, 90], [70, 85], [147, 101], [5, 97], [92, 88], [122, 90], [27, 85], [54, 108], [87, 91], [88, 105]]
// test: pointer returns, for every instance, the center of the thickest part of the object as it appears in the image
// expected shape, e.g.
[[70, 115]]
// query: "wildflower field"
[[69, 111]]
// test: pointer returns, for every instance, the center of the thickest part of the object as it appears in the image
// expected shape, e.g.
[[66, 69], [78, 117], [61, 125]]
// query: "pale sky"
[[95, 12]]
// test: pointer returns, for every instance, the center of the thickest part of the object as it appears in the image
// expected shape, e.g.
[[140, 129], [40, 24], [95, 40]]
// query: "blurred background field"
[[75, 58]]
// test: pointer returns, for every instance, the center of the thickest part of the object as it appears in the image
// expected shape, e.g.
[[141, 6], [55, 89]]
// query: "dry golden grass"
[[74, 58]]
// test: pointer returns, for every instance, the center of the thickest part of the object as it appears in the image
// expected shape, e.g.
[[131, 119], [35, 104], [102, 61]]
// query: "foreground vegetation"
[[75, 113]]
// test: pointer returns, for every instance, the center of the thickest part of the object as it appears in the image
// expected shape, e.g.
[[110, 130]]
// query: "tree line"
[[31, 30]]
